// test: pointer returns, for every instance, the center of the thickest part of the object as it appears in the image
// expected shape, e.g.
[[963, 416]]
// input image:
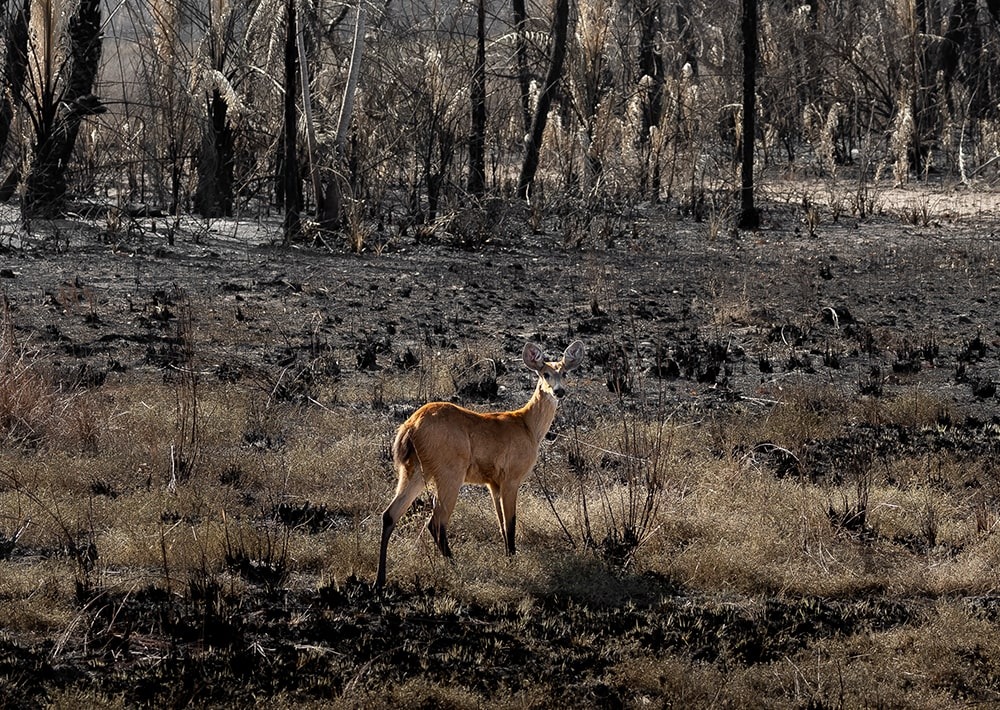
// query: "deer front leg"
[[498, 507], [508, 506]]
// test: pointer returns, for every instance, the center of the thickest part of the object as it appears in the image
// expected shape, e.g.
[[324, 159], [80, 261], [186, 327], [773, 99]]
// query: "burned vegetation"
[[242, 243]]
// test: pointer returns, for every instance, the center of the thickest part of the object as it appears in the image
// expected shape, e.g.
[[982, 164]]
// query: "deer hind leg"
[[411, 483]]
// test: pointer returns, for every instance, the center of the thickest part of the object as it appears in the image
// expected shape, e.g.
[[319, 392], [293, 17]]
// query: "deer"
[[443, 446]]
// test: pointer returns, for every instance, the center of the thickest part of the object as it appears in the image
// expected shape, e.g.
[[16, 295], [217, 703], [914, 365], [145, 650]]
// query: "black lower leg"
[[388, 525], [440, 534], [509, 536]]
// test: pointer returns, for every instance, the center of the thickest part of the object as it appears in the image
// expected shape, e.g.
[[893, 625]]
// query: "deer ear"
[[533, 356], [573, 355]]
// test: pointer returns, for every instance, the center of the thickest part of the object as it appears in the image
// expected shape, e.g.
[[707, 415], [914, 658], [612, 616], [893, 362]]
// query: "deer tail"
[[403, 452]]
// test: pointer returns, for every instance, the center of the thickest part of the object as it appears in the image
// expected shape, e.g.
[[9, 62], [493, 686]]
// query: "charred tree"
[[521, 59], [749, 215], [292, 186], [685, 36], [214, 194], [650, 69], [650, 63], [345, 169], [327, 213], [15, 66], [557, 57], [60, 110], [477, 95]]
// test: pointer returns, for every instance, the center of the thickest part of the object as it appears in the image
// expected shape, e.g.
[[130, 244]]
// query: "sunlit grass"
[[722, 520]]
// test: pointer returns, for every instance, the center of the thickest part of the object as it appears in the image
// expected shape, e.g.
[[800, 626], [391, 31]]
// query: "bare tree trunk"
[[45, 191], [749, 216], [15, 66], [333, 198], [14, 70], [307, 116], [477, 94], [350, 89], [529, 167], [651, 66], [521, 55], [650, 62], [445, 144], [921, 76], [293, 200], [214, 194]]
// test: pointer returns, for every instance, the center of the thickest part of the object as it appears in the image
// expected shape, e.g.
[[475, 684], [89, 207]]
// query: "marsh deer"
[[441, 446]]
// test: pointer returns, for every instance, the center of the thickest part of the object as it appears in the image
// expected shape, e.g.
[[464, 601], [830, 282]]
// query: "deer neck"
[[539, 413]]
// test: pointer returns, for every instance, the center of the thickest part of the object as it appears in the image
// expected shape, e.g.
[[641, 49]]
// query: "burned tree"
[[58, 107], [557, 56], [749, 216], [477, 94], [15, 67]]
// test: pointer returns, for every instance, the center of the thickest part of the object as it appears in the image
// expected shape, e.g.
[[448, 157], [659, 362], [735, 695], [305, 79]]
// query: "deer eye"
[[547, 376]]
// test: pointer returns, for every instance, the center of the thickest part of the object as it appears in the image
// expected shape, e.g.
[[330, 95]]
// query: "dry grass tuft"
[[28, 402]]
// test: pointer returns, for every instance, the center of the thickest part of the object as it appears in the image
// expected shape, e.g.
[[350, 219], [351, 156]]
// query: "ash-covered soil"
[[871, 305]]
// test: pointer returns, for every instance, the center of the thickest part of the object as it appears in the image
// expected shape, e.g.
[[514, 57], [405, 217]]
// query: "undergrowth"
[[746, 554]]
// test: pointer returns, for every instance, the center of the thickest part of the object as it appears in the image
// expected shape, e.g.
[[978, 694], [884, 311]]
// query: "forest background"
[[198, 108]]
